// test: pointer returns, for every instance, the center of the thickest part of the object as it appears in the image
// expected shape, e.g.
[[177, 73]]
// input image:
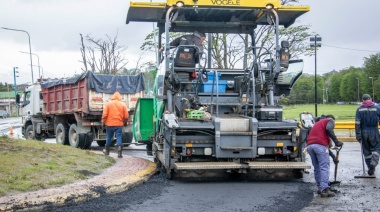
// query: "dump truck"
[[207, 121], [71, 109]]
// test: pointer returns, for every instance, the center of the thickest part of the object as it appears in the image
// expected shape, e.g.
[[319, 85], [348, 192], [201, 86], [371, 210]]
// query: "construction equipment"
[[71, 109], [364, 175], [230, 120]]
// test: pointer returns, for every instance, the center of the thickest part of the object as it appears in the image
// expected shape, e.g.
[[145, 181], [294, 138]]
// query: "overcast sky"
[[349, 32]]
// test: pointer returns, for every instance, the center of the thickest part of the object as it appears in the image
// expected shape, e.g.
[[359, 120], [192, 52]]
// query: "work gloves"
[[338, 144]]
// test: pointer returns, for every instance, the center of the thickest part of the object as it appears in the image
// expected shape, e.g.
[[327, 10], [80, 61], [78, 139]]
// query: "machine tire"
[[126, 138], [101, 143], [76, 139], [62, 134], [169, 174], [29, 133], [158, 166], [298, 173], [89, 140]]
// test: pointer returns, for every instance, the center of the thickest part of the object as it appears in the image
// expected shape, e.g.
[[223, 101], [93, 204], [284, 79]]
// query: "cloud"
[[54, 27]]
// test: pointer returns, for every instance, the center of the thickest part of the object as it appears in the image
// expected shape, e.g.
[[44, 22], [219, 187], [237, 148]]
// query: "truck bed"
[[87, 93]]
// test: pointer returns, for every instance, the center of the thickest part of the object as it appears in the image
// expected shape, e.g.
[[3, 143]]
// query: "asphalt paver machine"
[[207, 121]]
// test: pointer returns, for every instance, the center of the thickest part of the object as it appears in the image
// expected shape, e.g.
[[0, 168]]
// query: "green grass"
[[28, 165], [340, 112]]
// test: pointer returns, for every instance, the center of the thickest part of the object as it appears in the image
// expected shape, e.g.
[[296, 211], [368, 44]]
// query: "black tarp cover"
[[103, 83]]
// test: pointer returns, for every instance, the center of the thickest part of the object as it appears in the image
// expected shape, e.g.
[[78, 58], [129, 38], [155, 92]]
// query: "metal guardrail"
[[349, 125]]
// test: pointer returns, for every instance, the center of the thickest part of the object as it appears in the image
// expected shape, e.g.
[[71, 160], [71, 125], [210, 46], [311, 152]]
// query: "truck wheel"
[[62, 134], [88, 140], [101, 143], [29, 133], [76, 140], [126, 138]]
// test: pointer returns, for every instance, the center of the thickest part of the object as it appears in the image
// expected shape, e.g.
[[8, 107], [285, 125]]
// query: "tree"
[[303, 91], [103, 56], [352, 85], [372, 69], [372, 65], [333, 89]]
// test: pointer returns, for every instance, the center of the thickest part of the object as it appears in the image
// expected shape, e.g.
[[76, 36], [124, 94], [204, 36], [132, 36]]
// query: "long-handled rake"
[[364, 175]]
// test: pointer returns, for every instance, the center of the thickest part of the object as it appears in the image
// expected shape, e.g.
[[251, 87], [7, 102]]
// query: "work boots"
[[106, 151], [119, 151], [327, 193], [371, 169]]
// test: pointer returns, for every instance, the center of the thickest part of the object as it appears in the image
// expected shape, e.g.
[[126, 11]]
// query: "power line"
[[359, 50]]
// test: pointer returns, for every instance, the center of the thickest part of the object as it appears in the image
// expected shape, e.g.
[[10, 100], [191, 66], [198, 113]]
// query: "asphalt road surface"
[[241, 194], [245, 194]]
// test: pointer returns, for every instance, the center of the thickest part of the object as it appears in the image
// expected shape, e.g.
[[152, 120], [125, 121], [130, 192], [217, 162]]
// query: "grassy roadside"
[[341, 112], [28, 165]]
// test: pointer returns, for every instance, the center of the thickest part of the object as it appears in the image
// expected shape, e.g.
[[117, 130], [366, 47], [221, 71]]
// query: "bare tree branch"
[[104, 56]]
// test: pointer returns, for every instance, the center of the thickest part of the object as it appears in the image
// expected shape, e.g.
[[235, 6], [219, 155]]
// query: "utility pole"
[[358, 89], [314, 43], [323, 95], [14, 80], [373, 90], [30, 48]]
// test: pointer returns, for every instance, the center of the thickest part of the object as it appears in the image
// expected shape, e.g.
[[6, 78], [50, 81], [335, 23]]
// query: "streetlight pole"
[[373, 90], [40, 67], [30, 48], [315, 42], [323, 95], [38, 59], [358, 88], [14, 82]]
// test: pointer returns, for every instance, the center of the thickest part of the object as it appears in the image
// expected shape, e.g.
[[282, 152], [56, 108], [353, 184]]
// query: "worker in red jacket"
[[318, 142]]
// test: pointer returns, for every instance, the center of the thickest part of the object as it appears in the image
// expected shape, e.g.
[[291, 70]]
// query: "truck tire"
[[29, 133], [88, 141], [101, 143], [127, 138], [76, 140], [62, 134]]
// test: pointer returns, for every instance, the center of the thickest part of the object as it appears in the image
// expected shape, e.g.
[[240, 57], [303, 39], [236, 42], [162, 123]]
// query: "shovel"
[[335, 182], [364, 175]]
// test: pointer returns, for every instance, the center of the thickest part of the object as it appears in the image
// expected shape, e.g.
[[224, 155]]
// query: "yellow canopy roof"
[[214, 15]]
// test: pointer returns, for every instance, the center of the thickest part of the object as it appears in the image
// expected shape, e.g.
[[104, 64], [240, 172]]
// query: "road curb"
[[125, 174]]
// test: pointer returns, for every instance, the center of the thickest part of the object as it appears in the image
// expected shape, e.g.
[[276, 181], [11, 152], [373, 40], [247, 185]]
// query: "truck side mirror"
[[284, 54]]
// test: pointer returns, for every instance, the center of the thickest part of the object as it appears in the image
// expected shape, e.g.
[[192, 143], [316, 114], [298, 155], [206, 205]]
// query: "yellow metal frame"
[[228, 3], [223, 3], [148, 4]]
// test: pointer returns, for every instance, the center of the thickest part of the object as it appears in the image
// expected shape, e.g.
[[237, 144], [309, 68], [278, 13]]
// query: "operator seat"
[[186, 58]]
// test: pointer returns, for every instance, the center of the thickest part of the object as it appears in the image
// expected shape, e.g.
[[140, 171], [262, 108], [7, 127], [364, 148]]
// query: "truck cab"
[[31, 105]]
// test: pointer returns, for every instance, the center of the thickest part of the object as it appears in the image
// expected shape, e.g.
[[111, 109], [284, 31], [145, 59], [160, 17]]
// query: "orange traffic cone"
[[11, 131]]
